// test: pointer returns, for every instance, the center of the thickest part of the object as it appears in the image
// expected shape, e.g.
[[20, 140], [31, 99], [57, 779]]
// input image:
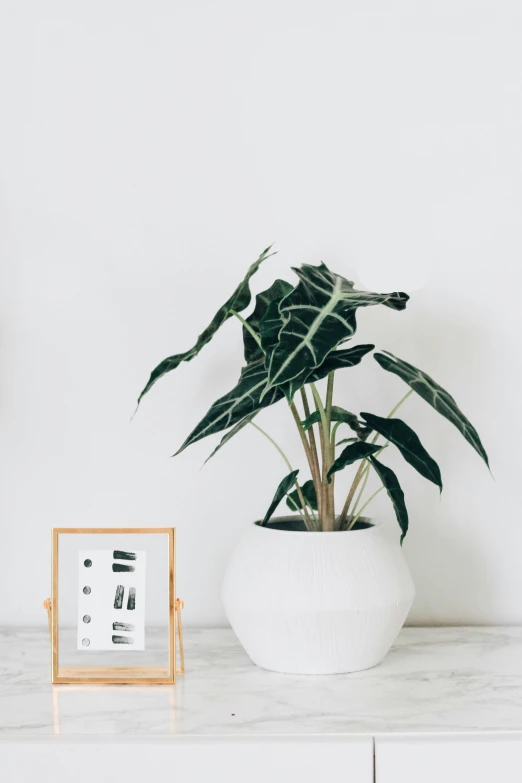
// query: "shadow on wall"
[[445, 548], [453, 580]]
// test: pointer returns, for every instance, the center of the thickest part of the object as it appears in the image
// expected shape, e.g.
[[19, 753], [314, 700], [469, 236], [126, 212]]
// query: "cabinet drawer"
[[473, 758], [223, 761]]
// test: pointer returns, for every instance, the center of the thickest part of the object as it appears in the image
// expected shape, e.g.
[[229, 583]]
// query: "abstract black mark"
[[87, 563], [123, 627], [118, 598], [122, 640], [131, 601], [86, 618], [87, 590], [119, 555], [122, 567]]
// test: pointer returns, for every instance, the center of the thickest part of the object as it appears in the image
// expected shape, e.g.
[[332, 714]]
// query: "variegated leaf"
[[352, 453], [284, 487], [230, 434], [313, 418], [395, 493], [269, 326], [343, 358], [317, 316], [239, 300], [338, 414], [277, 291], [342, 415], [243, 400], [337, 360], [308, 489], [435, 395], [408, 443]]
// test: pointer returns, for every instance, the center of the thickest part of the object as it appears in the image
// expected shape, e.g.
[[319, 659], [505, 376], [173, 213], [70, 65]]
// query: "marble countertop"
[[433, 680]]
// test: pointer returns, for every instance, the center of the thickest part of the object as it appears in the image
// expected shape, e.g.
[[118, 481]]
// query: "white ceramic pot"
[[317, 603]]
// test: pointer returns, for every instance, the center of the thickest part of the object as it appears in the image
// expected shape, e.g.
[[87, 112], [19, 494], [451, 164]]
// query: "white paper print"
[[111, 599]]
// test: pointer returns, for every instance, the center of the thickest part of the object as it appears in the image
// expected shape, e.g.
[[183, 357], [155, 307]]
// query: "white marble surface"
[[433, 680]]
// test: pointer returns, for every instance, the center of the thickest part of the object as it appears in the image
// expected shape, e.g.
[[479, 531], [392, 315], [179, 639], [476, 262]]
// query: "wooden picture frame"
[[124, 675]]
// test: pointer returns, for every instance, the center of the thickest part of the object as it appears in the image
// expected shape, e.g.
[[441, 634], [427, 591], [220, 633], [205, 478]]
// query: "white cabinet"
[[468, 759], [445, 706], [224, 761], [433, 759]]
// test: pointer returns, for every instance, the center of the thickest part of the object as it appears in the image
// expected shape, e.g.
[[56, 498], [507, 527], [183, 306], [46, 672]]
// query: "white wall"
[[148, 152]]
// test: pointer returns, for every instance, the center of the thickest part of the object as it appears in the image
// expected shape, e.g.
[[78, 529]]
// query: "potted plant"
[[321, 590]]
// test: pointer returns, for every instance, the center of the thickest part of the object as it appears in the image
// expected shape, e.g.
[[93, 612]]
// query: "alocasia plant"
[[291, 340]]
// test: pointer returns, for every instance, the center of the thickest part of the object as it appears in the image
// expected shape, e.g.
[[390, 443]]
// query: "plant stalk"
[[354, 520], [331, 486], [366, 476], [302, 435], [401, 401], [316, 472], [307, 520], [351, 493], [248, 328], [359, 475], [327, 518]]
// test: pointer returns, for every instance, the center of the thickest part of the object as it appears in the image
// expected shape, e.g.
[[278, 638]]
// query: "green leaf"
[[230, 434], [352, 453], [313, 418], [408, 443], [338, 414], [337, 360], [269, 327], [317, 316], [277, 291], [243, 400], [286, 484], [342, 415], [346, 440], [395, 493], [435, 395], [239, 300], [308, 489]]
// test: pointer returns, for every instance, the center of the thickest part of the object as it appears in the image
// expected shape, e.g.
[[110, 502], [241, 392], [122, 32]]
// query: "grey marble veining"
[[433, 680]]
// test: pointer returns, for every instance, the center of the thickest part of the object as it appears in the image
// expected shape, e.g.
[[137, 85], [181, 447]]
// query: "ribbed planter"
[[316, 603]]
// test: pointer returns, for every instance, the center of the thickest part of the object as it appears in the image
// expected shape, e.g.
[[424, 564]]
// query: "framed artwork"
[[113, 614]]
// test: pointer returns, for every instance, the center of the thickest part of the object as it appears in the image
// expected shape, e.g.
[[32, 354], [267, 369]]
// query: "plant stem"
[[248, 328], [307, 520], [302, 435], [354, 520], [330, 487], [316, 472], [334, 432], [393, 410], [320, 407], [329, 395], [274, 444], [365, 478], [401, 401], [327, 518], [351, 493], [360, 471], [321, 478]]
